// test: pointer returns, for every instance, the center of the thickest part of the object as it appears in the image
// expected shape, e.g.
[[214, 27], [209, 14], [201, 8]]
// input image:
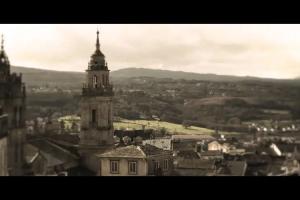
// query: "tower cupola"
[[97, 61]]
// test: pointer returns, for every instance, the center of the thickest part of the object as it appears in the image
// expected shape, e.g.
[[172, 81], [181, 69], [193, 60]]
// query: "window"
[[156, 165], [20, 115], [16, 116], [132, 167], [114, 167], [109, 117], [94, 116], [95, 81], [103, 79], [16, 152], [166, 164]]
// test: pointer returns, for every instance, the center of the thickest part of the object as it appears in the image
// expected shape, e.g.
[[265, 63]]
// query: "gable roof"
[[160, 143], [192, 137], [151, 150], [133, 151], [124, 152]]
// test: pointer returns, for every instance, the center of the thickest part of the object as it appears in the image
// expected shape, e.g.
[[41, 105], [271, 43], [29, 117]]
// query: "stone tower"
[[96, 106], [13, 104]]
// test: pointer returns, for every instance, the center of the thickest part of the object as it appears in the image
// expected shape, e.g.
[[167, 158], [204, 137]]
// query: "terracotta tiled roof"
[[133, 151], [150, 150], [128, 151], [196, 164]]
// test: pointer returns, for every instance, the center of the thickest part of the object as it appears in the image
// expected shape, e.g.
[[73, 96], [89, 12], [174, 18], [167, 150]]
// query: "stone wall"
[[160, 158], [3, 157], [16, 141], [142, 167], [100, 132]]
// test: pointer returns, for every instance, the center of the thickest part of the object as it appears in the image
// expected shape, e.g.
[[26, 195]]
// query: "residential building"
[[188, 142], [144, 160]]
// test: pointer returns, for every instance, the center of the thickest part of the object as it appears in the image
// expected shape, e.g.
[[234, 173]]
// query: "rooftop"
[[196, 164], [233, 168], [133, 151], [124, 152], [211, 153], [192, 137], [188, 154], [54, 154]]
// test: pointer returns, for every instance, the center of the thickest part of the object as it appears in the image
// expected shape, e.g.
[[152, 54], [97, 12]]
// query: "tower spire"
[[2, 42], [97, 42]]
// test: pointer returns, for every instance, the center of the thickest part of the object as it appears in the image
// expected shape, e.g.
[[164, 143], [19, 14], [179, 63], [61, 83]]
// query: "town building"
[[189, 142], [212, 155], [194, 167], [144, 160], [232, 168], [162, 143]]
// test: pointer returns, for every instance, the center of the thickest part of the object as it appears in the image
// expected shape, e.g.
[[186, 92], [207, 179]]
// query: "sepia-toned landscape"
[[147, 121]]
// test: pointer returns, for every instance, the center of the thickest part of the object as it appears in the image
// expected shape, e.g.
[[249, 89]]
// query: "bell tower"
[[96, 105]]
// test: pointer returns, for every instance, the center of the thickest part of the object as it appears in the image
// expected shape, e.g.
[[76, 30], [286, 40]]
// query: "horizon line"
[[241, 76]]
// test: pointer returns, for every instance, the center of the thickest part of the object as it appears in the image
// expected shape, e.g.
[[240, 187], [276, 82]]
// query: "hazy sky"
[[255, 50]]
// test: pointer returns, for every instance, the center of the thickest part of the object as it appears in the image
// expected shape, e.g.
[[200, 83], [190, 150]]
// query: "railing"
[[101, 91], [95, 126]]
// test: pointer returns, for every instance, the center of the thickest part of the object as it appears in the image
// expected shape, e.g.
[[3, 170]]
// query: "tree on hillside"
[[185, 124], [163, 131]]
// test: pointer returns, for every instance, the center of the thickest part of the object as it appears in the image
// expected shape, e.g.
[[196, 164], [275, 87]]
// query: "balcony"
[[101, 91], [96, 127]]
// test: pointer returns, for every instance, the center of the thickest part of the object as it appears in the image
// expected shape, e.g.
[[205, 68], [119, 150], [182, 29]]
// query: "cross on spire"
[[97, 42]]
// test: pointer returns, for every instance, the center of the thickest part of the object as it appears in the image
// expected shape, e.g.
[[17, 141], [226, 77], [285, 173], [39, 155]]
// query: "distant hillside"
[[142, 72], [34, 76]]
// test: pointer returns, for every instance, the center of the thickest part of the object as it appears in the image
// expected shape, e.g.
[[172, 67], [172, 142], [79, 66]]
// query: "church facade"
[[96, 110], [13, 105]]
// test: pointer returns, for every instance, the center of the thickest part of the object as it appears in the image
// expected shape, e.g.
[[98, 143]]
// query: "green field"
[[68, 120], [157, 125], [171, 128]]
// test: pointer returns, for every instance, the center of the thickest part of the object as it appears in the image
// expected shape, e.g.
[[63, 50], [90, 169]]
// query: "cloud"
[[256, 50]]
